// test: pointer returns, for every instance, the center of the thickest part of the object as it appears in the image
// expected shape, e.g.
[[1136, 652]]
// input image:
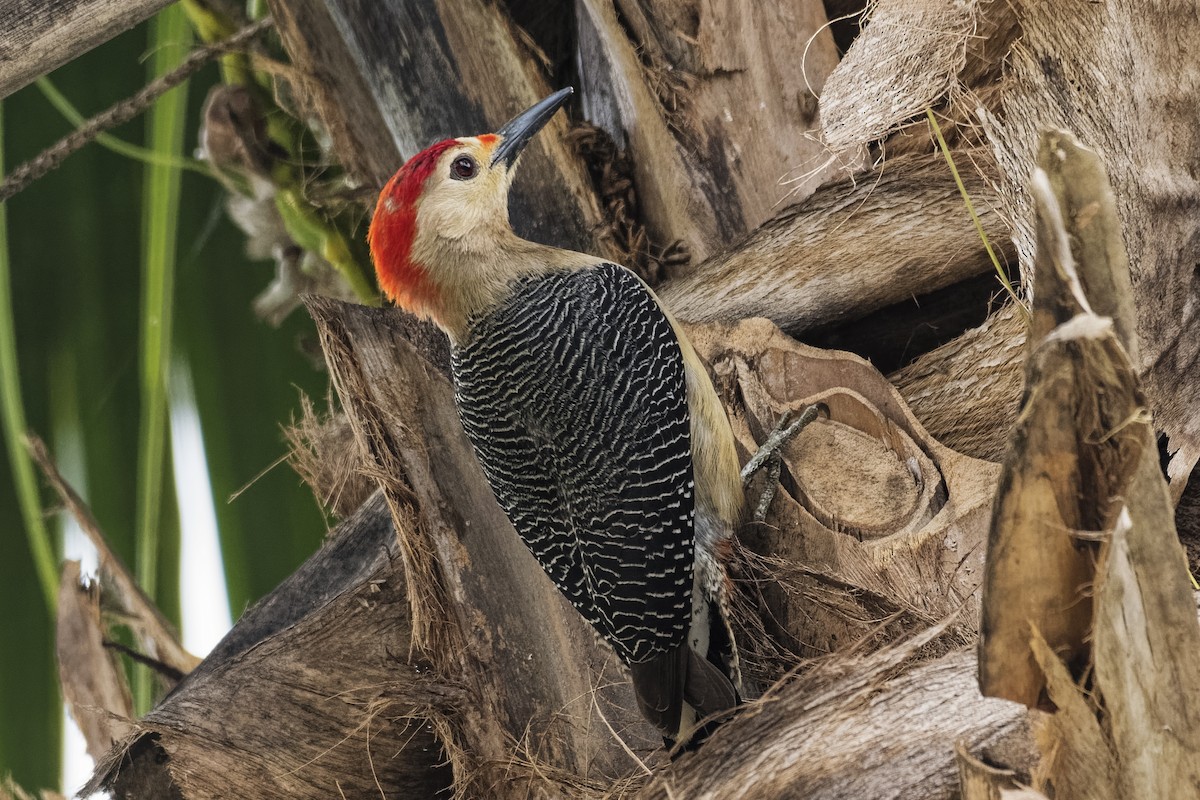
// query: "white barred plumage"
[[573, 395]]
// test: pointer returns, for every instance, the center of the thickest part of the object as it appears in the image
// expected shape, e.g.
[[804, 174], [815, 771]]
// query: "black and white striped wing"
[[573, 394]]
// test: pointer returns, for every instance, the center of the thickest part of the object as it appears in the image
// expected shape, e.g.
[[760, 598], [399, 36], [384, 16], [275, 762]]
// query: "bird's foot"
[[768, 455]]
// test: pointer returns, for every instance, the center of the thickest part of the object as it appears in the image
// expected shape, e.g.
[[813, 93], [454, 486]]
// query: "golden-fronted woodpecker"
[[591, 415]]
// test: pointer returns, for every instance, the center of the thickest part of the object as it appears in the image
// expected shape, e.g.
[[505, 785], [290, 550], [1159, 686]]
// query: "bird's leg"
[[768, 455], [784, 432]]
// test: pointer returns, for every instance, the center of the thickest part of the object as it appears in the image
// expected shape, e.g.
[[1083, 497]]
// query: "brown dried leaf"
[[1077, 761], [1083, 458], [967, 392], [1058, 478], [1147, 641], [155, 633], [1076, 443], [93, 683]]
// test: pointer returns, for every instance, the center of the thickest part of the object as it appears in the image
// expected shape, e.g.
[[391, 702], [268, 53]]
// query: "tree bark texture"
[[906, 724], [37, 37], [716, 101], [1105, 88], [314, 691], [542, 680], [634, 62], [967, 392], [851, 248], [1122, 69], [523, 697], [444, 629]]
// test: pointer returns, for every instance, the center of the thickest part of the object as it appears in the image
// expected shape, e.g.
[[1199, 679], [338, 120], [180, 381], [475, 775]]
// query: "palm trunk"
[[431, 654]]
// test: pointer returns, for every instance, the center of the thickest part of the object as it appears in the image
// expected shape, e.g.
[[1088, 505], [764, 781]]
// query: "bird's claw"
[[768, 455]]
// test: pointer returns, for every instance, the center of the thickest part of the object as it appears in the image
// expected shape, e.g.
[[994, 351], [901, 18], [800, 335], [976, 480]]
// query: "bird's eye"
[[463, 168]]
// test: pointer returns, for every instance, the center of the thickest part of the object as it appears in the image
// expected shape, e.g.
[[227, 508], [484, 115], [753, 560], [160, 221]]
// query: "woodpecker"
[[593, 418]]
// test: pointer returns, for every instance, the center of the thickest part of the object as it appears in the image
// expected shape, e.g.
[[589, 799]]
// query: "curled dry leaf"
[[877, 522], [93, 683]]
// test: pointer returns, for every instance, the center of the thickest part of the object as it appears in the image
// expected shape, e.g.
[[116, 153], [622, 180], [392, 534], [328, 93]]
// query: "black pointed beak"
[[517, 132]]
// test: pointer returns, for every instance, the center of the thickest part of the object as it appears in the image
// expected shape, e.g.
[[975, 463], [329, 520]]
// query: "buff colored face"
[[446, 211], [448, 195], [465, 195]]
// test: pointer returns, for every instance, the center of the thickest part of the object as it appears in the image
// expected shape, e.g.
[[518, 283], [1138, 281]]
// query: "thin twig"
[[147, 619], [771, 485], [21, 177], [617, 737], [161, 667]]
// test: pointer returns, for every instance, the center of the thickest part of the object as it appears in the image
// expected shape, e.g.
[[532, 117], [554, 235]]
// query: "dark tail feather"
[[709, 691], [664, 683], [705, 682], [659, 686], [706, 688]]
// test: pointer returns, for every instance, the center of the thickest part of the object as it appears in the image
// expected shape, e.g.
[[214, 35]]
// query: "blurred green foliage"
[[76, 286]]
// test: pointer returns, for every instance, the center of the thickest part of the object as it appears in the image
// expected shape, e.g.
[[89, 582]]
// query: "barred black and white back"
[[574, 393]]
